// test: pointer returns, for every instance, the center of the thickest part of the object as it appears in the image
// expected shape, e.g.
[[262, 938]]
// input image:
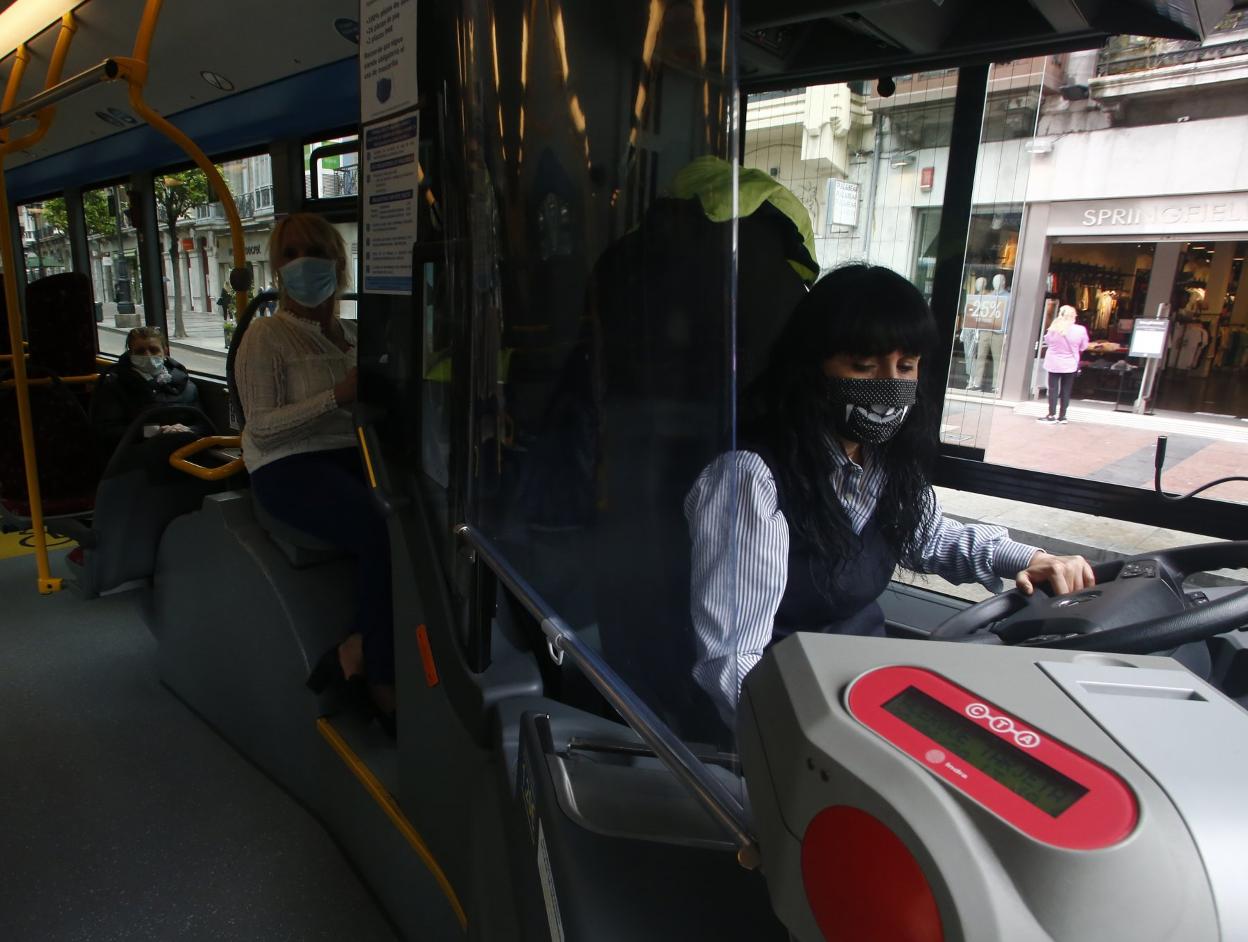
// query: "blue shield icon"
[[384, 87]]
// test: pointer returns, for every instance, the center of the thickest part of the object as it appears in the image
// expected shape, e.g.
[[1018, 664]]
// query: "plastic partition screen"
[[599, 302]]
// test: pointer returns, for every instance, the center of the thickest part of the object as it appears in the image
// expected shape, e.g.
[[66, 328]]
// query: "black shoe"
[[388, 723], [328, 670]]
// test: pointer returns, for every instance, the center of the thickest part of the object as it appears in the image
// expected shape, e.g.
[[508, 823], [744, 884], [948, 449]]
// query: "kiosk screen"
[[1029, 778]]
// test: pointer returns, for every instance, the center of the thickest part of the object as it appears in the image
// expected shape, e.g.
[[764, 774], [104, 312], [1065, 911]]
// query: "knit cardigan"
[[286, 373]]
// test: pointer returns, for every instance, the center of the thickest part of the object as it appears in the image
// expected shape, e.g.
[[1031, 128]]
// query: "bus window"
[[250, 180], [331, 169], [45, 238], [1084, 198], [116, 277], [873, 178], [1095, 211], [1098, 538], [197, 253], [331, 184]]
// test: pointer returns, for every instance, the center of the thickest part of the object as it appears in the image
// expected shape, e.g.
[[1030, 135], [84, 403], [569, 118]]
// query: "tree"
[[176, 195], [100, 219], [57, 215]]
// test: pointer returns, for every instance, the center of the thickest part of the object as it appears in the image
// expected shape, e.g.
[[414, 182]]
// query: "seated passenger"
[[144, 376], [296, 374], [802, 528]]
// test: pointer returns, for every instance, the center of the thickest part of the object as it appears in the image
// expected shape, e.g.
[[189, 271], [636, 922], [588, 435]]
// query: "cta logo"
[[1026, 738]]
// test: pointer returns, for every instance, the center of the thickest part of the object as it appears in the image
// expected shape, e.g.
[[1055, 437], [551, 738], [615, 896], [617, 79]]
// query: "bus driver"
[[831, 490]]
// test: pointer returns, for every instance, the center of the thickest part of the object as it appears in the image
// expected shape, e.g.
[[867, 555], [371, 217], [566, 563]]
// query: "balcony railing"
[[249, 204], [1144, 60], [1124, 54]]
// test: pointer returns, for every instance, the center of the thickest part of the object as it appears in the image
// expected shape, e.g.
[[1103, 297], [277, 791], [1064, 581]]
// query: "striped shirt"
[[741, 556]]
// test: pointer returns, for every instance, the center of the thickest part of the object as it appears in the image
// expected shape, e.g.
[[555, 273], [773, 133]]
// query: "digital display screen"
[[1029, 778]]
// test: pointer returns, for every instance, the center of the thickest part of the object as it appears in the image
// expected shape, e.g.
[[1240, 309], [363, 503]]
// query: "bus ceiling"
[[198, 63], [788, 42]]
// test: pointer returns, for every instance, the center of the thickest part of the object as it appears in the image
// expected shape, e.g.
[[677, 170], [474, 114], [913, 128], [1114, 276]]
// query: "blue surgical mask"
[[151, 367], [309, 281]]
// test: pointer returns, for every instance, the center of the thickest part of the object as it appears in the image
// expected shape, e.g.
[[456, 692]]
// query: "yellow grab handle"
[[179, 458]]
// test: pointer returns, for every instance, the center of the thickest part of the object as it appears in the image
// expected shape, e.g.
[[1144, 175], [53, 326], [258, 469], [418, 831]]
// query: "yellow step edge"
[[383, 797]]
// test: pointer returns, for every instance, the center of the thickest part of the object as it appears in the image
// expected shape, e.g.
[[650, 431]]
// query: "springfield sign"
[[1161, 215]]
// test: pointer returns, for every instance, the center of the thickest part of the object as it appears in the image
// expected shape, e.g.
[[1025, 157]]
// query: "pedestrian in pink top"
[[1065, 341]]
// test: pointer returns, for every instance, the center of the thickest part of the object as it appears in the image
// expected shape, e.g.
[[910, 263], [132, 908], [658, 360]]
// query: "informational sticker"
[[842, 203], [548, 887], [387, 58], [985, 311], [1148, 337], [391, 189]]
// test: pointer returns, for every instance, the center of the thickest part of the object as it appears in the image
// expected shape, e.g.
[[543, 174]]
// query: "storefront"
[[988, 278], [1117, 260]]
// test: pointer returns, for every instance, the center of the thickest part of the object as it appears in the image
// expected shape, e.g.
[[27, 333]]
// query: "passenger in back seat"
[[296, 376], [145, 376]]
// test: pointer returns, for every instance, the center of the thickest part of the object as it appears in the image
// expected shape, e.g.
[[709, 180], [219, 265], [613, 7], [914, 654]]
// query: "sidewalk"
[[1100, 444], [201, 351]]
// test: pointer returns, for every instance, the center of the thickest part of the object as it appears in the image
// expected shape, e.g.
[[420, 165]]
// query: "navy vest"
[[848, 603]]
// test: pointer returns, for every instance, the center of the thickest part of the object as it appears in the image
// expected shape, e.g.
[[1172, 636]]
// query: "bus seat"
[[255, 308], [60, 324], [300, 549], [239, 630], [68, 467], [138, 496]]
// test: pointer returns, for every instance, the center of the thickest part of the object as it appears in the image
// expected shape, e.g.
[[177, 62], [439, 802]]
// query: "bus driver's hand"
[[1063, 574]]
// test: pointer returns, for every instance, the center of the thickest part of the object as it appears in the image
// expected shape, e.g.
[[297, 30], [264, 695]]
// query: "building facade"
[[1114, 180]]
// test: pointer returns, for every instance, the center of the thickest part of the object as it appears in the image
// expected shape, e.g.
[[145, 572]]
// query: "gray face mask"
[[871, 410]]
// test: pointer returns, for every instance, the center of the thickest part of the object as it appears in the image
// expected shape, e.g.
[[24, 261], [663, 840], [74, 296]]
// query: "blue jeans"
[[325, 494]]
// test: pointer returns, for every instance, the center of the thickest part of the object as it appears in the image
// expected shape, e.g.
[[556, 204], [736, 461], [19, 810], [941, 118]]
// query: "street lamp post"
[[121, 270]]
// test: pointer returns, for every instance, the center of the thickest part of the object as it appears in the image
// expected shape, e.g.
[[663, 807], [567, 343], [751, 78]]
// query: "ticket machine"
[[917, 791]]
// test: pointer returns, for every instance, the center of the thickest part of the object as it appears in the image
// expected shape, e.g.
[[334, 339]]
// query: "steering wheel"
[[1138, 606]]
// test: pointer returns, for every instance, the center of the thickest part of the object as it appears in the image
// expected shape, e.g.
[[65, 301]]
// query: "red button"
[[862, 882]]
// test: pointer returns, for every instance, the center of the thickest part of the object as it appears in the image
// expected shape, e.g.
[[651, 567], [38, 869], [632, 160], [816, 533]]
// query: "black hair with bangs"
[[863, 310]]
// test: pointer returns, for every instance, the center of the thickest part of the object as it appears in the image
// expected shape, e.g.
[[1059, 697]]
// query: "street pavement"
[[1099, 444]]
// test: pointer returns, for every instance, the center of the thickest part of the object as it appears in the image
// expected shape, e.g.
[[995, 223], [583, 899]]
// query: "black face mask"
[[871, 410]]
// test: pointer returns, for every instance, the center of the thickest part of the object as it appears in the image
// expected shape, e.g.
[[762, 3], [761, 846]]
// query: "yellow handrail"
[[20, 58], [179, 458], [47, 584], [134, 70], [85, 380], [69, 27]]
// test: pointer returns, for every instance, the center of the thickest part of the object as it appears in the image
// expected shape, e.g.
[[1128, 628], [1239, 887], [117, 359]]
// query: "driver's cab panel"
[[609, 345], [581, 344]]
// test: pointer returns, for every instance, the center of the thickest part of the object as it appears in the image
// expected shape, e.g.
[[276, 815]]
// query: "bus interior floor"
[[123, 816]]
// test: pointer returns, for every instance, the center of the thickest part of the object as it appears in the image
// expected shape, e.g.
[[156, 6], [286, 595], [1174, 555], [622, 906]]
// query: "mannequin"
[[1189, 343], [988, 341]]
